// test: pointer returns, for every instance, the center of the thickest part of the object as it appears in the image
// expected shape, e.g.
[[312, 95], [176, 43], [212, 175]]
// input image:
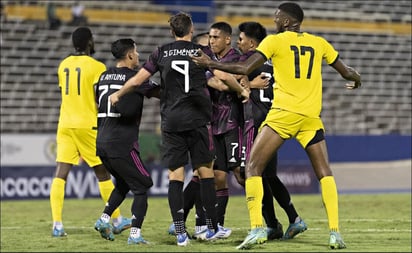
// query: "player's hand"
[[356, 83], [114, 98], [244, 82], [353, 85], [245, 95], [261, 81], [200, 58]]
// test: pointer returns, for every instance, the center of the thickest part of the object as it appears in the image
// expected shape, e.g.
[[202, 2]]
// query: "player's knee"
[[140, 191], [319, 136]]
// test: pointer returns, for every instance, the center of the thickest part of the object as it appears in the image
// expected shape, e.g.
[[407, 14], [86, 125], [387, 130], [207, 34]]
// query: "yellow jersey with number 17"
[[78, 75], [297, 67]]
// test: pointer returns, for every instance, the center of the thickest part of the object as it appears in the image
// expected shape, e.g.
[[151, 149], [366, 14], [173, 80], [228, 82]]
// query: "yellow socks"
[[57, 198], [254, 196], [106, 188], [330, 201]]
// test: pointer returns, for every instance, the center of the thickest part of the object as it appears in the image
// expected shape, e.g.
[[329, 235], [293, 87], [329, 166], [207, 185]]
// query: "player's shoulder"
[[97, 65], [313, 36], [97, 62]]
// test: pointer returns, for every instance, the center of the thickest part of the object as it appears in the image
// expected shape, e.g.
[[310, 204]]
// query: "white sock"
[[117, 221], [58, 225], [134, 232], [105, 218]]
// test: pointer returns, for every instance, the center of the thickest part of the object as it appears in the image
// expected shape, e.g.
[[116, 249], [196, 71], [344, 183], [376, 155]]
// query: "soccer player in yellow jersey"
[[77, 127], [295, 113]]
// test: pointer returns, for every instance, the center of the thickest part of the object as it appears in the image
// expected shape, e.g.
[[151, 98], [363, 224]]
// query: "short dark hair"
[[121, 47], [292, 9], [253, 30], [181, 24], [81, 37], [222, 26], [197, 37]]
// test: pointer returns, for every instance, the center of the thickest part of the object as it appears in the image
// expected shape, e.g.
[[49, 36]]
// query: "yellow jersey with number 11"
[[78, 75]]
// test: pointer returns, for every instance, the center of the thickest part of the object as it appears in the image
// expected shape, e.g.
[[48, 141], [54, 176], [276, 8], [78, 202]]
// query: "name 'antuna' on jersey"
[[113, 77]]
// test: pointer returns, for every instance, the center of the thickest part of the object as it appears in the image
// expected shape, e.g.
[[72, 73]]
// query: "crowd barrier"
[[28, 165]]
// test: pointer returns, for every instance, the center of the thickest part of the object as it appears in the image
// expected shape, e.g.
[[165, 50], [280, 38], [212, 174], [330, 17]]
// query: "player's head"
[[181, 24], [201, 39], [288, 17], [220, 37], [125, 50], [251, 34], [82, 39]]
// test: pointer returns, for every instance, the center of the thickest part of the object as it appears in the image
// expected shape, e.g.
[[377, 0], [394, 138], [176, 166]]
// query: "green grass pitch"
[[368, 223]]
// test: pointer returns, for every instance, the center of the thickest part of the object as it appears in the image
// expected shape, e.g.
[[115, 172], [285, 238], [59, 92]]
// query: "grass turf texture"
[[368, 223]]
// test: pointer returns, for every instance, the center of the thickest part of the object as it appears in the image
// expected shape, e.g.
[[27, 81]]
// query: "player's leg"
[[106, 187], [117, 196], [264, 147], [228, 159], [318, 155], [67, 155], [222, 194], [175, 198], [200, 223], [220, 173], [135, 174], [193, 197], [273, 227], [175, 156], [202, 155], [190, 194], [282, 196], [86, 142], [57, 190]]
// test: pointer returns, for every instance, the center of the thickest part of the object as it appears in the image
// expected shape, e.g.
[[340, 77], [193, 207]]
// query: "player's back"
[[260, 99], [118, 127], [77, 77], [297, 63], [185, 102]]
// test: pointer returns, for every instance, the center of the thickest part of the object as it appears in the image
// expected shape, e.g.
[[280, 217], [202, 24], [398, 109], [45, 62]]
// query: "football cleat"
[[200, 232], [172, 230], [182, 239], [136, 240], [58, 232], [125, 224], [256, 236], [294, 229], [105, 229], [336, 241], [275, 233]]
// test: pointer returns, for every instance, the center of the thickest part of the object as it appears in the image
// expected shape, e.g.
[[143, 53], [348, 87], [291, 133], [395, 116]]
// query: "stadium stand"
[[373, 36]]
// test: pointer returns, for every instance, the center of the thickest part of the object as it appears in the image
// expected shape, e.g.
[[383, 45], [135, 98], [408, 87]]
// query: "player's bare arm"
[[217, 84], [348, 73], [261, 81], [130, 85], [233, 84], [243, 68]]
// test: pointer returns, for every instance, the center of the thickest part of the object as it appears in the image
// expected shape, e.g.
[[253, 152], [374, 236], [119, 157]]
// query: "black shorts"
[[196, 145], [129, 171], [228, 151], [247, 142]]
